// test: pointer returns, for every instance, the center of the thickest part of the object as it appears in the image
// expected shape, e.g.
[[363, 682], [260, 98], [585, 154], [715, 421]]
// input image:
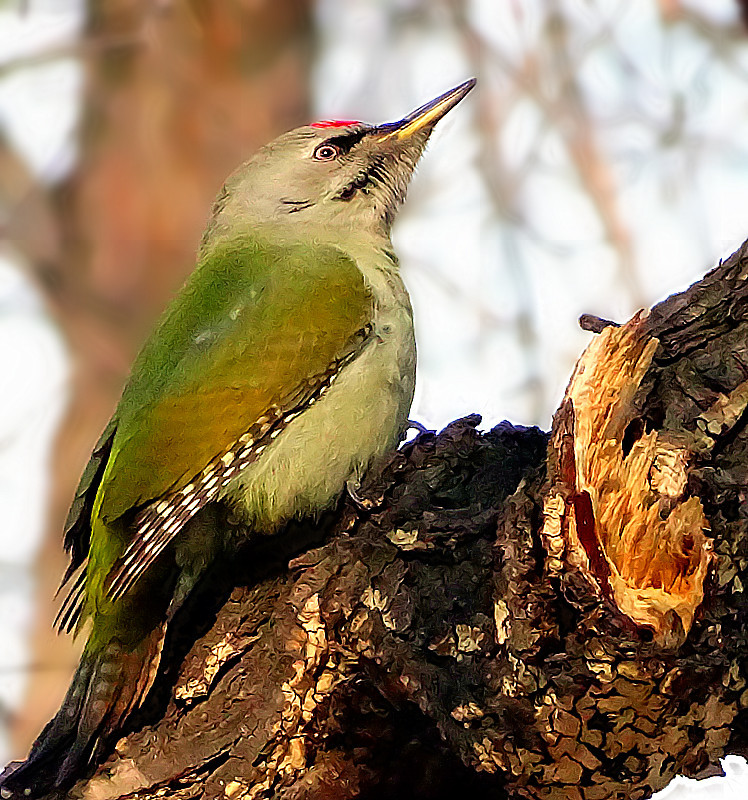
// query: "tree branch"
[[517, 615]]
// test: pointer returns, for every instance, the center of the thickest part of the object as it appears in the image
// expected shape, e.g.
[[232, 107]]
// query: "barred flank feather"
[[161, 521]]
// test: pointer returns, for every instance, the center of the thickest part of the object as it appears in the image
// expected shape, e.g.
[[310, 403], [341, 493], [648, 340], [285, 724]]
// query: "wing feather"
[[77, 531], [160, 522], [257, 328]]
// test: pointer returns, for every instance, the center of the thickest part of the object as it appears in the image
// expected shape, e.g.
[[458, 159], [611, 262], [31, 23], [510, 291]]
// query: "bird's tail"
[[110, 682]]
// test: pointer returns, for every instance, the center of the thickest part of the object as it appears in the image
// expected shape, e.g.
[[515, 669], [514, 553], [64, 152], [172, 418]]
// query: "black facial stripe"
[[345, 141], [296, 205], [360, 182], [374, 175]]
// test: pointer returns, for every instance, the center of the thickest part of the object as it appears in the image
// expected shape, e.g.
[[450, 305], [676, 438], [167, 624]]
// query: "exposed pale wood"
[[619, 500]]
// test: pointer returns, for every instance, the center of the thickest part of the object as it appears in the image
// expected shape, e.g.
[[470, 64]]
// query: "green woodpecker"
[[283, 369]]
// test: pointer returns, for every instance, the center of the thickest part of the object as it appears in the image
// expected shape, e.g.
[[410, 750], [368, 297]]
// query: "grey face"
[[354, 165], [329, 179], [324, 178]]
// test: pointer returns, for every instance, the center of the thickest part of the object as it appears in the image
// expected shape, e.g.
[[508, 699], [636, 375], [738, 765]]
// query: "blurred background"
[[600, 165]]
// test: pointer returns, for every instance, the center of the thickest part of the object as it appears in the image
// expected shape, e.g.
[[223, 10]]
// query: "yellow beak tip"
[[427, 115]]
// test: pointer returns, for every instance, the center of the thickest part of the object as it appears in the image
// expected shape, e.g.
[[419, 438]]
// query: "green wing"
[[252, 327]]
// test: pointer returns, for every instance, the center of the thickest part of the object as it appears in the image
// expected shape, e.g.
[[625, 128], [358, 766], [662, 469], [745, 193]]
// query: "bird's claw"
[[416, 425]]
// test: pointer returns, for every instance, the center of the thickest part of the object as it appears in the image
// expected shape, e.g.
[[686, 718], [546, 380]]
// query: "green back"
[[253, 322]]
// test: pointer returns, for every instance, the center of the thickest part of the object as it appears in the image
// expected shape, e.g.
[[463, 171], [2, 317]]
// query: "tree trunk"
[[513, 615]]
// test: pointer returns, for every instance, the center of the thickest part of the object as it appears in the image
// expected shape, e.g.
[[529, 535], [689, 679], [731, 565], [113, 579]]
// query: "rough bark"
[[514, 615]]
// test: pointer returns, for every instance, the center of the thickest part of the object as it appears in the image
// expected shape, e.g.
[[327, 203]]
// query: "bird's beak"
[[425, 117]]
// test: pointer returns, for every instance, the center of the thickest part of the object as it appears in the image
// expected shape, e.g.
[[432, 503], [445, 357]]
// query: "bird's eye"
[[326, 152]]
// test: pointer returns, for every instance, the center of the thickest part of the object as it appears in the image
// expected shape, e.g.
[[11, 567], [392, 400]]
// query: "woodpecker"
[[281, 372]]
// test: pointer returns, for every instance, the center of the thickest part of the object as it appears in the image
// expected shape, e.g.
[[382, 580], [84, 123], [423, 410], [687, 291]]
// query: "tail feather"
[[108, 685]]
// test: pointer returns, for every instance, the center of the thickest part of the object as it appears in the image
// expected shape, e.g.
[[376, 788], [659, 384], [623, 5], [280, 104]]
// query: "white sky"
[[38, 109], [471, 278]]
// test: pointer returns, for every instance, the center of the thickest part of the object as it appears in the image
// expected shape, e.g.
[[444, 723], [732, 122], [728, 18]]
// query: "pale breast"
[[359, 419]]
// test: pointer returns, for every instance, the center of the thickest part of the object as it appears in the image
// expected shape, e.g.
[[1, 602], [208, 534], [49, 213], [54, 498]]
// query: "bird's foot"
[[416, 425]]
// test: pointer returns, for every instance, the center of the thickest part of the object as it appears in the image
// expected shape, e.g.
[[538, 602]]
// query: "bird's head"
[[331, 177]]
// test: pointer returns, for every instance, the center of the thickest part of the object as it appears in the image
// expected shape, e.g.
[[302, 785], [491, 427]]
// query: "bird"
[[280, 373]]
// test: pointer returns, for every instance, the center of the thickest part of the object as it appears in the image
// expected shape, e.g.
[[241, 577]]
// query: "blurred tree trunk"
[[178, 93], [515, 615]]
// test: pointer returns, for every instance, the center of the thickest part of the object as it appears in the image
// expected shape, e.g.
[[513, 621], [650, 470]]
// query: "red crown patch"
[[334, 123]]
